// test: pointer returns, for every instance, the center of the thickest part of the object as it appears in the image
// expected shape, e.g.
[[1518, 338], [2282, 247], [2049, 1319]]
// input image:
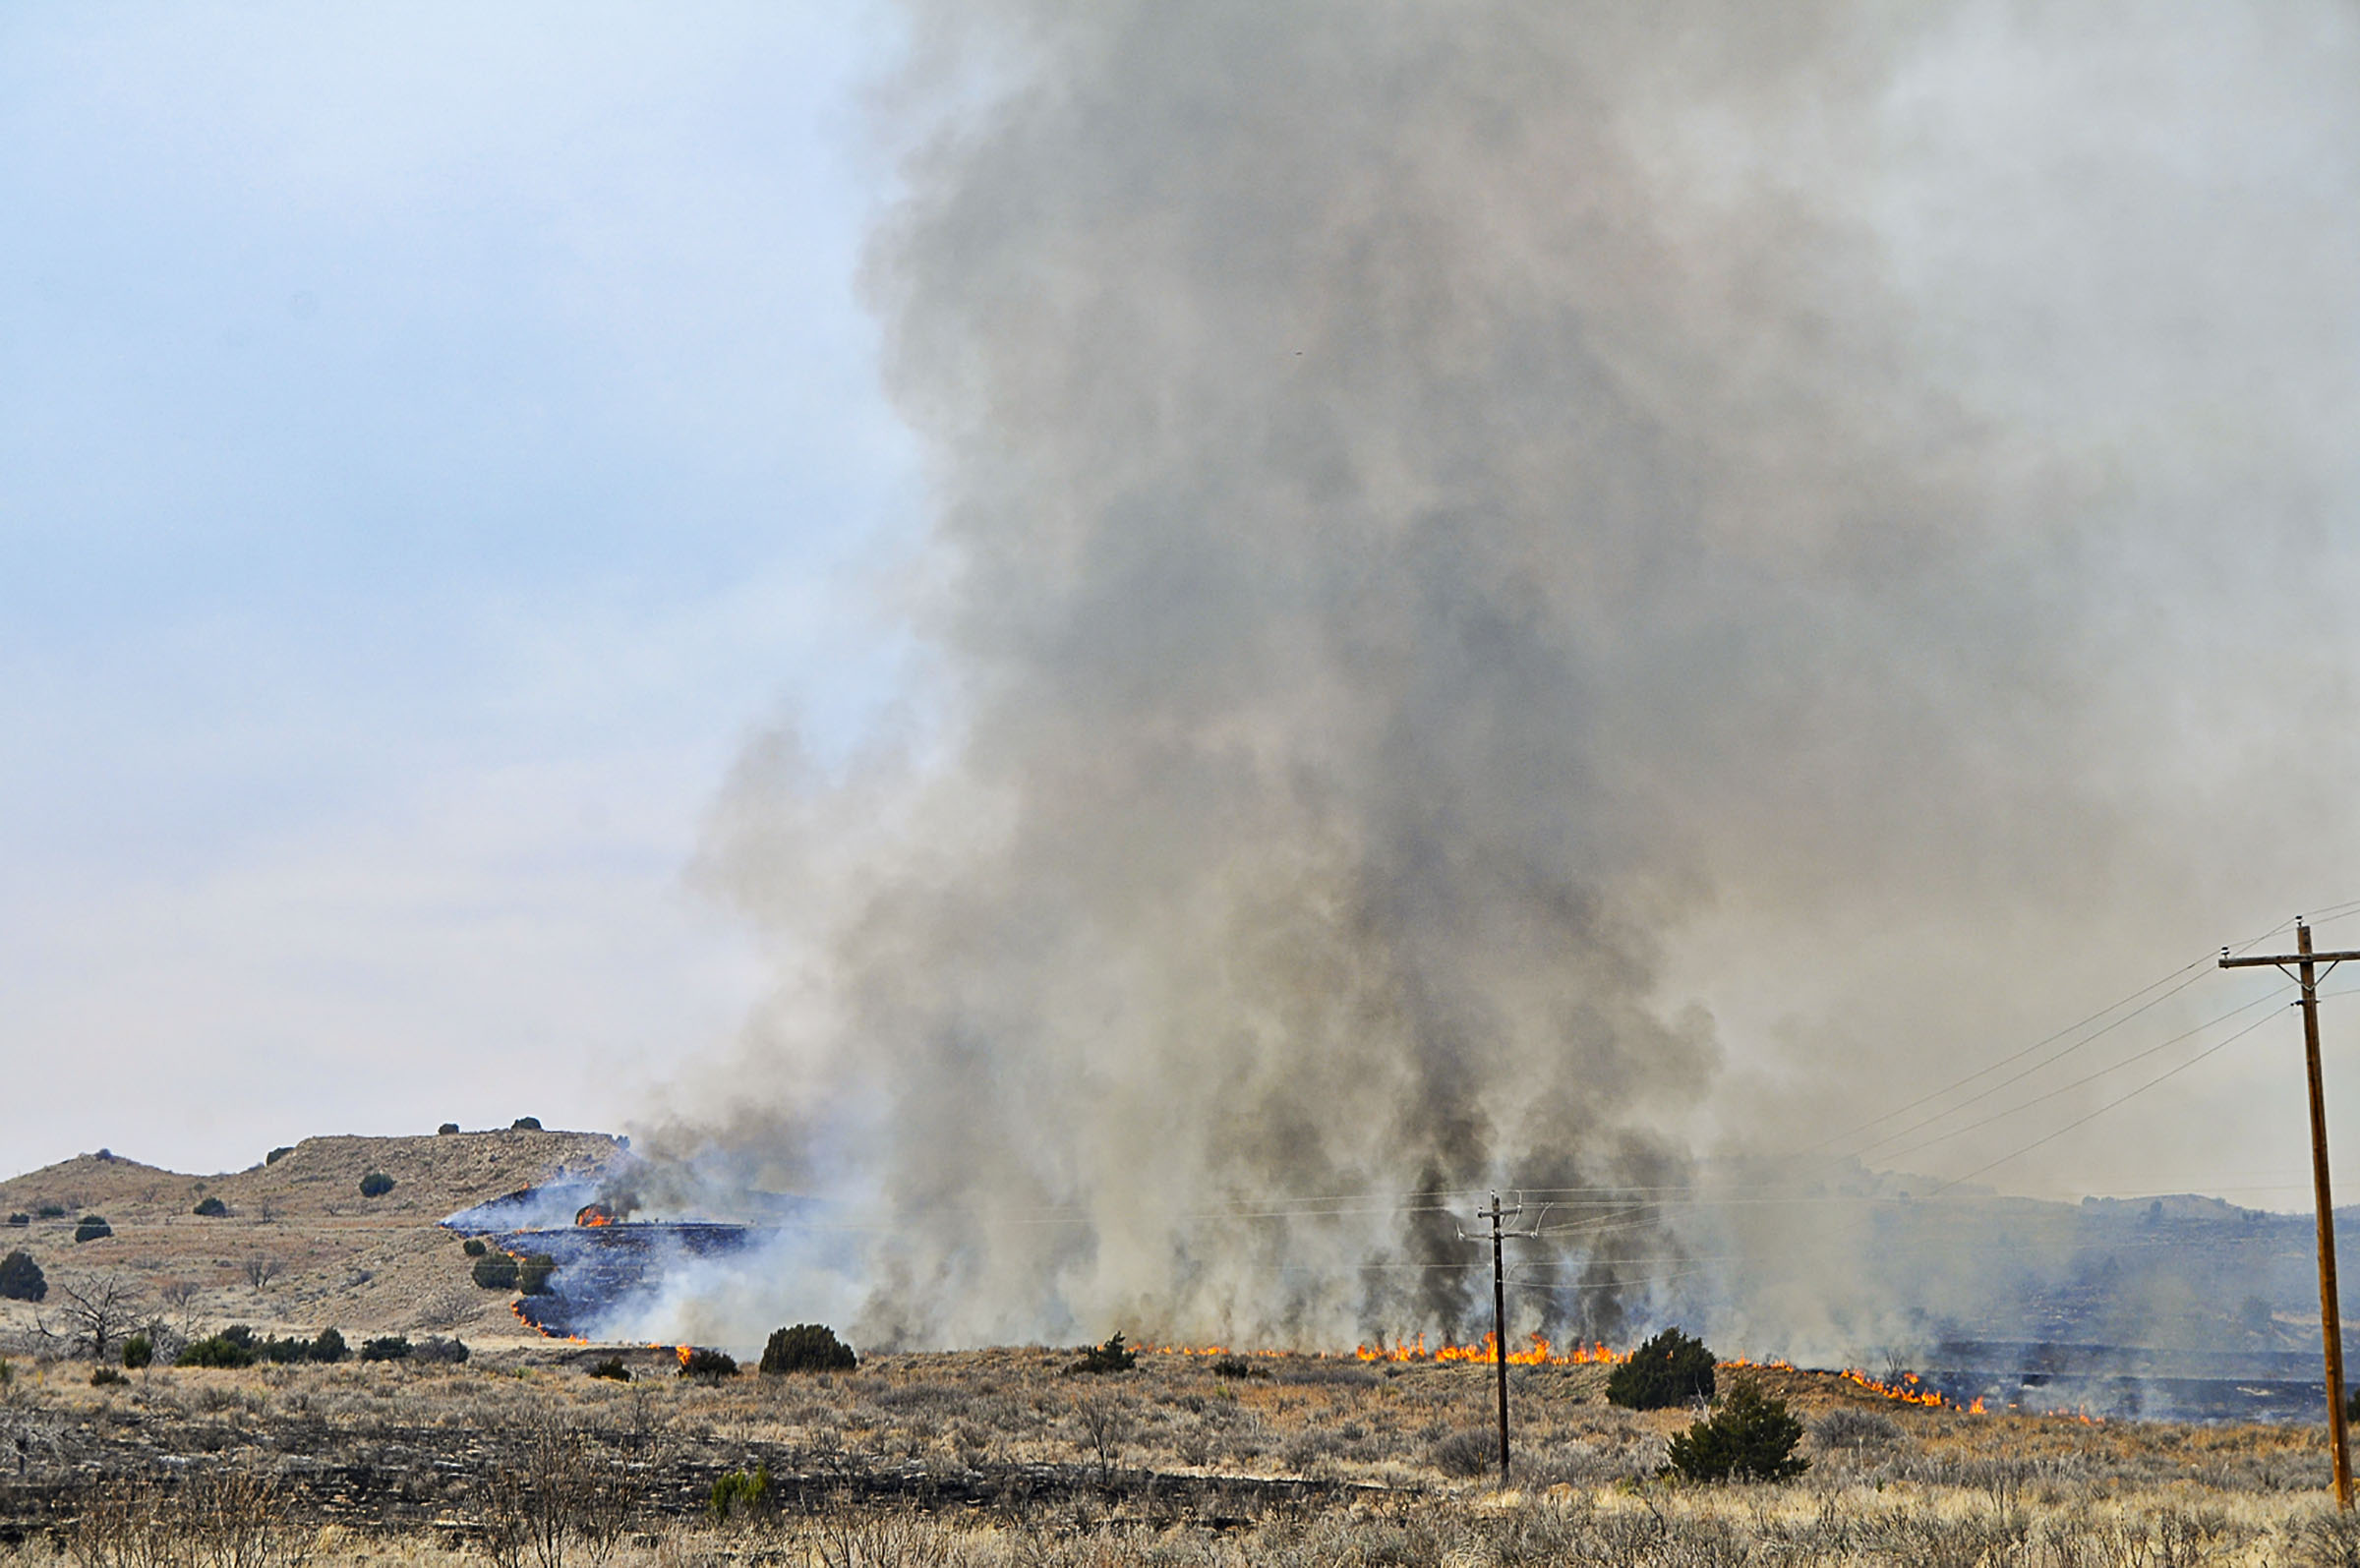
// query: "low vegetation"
[[808, 1347], [93, 1228], [996, 1459], [210, 1208], [377, 1183], [704, 1363], [1111, 1357], [21, 1279], [1751, 1437], [1670, 1369]]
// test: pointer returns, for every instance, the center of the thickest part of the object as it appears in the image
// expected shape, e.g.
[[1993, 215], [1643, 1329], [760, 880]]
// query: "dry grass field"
[[1005, 1457], [520, 1457]]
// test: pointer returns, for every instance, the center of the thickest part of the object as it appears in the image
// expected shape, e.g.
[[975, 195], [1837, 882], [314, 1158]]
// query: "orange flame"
[[684, 1352], [1910, 1391], [594, 1214], [1537, 1353]]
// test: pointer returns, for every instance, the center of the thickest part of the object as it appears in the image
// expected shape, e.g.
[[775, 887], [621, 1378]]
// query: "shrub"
[[1238, 1366], [215, 1349], [328, 1346], [138, 1351], [1467, 1454], [532, 1275], [1668, 1370], [739, 1491], [526, 1123], [1846, 1427], [19, 1220], [613, 1368], [279, 1351], [211, 1209], [240, 1335], [495, 1271], [438, 1351], [93, 1228], [21, 1278], [390, 1348], [377, 1183], [1111, 1357], [702, 1362], [446, 1129], [51, 1211], [278, 1154], [103, 1375], [1751, 1437], [808, 1347], [474, 1246]]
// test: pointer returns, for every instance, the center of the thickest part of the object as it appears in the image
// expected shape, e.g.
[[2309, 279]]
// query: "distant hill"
[[300, 1247]]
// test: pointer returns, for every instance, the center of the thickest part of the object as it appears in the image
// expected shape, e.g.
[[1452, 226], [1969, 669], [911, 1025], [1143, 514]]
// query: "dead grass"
[[997, 1457]]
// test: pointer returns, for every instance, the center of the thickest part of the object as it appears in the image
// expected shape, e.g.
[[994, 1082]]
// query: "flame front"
[[1910, 1391], [1538, 1352]]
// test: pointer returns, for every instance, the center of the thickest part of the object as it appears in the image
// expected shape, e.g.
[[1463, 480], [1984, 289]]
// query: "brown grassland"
[[518, 1458], [1004, 1455]]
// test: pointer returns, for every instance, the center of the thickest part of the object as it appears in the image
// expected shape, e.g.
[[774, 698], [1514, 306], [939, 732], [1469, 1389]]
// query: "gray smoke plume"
[[1462, 533]]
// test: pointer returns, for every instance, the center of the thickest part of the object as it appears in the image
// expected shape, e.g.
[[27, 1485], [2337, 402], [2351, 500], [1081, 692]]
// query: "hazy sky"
[[436, 443], [430, 438]]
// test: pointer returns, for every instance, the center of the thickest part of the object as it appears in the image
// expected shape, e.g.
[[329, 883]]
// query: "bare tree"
[[261, 1269], [100, 1310], [26, 1430], [552, 1495], [181, 1296], [1103, 1424]]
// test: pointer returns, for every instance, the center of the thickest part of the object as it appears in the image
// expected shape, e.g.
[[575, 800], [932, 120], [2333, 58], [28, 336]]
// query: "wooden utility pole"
[[2307, 973], [1499, 1330], [1497, 1215]]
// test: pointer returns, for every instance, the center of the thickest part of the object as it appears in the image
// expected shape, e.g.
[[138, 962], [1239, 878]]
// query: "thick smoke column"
[[1431, 501]]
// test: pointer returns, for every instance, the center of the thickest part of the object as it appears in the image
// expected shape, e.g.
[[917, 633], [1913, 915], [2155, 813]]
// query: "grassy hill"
[[300, 1246]]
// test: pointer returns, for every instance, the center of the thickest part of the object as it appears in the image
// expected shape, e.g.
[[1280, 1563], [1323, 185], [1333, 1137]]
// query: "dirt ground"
[[301, 1248]]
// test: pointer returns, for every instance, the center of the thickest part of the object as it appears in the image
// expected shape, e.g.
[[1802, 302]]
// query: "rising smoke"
[[1438, 509]]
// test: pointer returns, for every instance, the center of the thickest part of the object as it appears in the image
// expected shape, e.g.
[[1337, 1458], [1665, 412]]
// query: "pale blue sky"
[[431, 439]]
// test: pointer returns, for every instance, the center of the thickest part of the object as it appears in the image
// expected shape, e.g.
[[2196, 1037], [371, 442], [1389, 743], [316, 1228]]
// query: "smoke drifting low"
[[1437, 511]]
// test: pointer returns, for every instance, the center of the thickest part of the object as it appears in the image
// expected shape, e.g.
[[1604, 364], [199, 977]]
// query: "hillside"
[[300, 1247]]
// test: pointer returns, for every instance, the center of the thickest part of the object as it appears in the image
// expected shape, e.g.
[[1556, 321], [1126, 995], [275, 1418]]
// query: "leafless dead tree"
[[552, 1495], [216, 1520], [27, 1431], [1103, 1424], [181, 1296], [261, 1269], [98, 1310]]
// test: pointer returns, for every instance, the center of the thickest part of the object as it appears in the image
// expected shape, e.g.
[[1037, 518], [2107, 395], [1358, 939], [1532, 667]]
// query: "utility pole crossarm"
[[2273, 960]]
